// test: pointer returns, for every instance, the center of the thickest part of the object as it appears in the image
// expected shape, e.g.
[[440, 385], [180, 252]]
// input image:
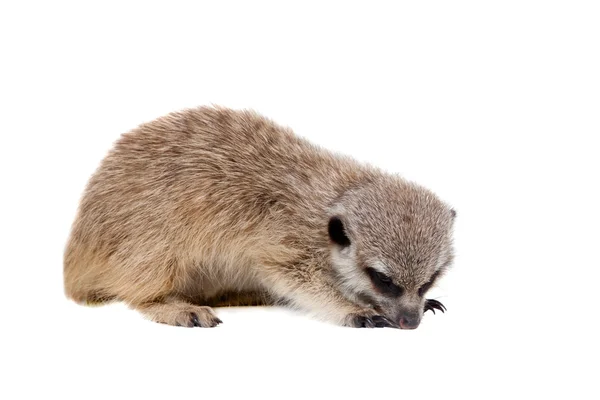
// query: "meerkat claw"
[[433, 305], [384, 322], [376, 321]]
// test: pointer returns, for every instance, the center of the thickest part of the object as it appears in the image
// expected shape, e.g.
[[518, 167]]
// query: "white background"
[[494, 106]]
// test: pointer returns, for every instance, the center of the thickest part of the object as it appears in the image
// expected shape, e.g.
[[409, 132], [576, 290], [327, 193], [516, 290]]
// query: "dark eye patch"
[[423, 289], [384, 283]]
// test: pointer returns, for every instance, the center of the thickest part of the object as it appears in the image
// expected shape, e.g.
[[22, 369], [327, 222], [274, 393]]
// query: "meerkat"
[[213, 206]]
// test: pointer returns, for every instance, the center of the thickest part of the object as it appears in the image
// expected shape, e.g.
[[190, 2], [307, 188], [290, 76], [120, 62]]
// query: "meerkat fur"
[[210, 204]]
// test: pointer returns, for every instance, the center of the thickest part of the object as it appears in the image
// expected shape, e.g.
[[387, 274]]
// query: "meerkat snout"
[[389, 257], [409, 320]]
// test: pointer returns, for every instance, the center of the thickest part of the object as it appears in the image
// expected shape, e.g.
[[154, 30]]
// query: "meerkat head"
[[390, 241]]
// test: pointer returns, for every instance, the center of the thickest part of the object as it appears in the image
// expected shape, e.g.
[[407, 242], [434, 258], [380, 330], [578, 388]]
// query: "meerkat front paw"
[[369, 320]]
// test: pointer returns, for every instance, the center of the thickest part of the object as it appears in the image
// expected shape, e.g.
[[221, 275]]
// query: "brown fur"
[[210, 201]]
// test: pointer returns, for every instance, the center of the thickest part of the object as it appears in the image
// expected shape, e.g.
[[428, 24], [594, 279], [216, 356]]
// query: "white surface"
[[494, 107]]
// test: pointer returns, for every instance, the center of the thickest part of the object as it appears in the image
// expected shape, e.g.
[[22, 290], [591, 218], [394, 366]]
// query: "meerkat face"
[[389, 246]]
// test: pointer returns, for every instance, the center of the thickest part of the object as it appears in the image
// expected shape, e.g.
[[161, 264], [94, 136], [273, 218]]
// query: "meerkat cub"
[[212, 206]]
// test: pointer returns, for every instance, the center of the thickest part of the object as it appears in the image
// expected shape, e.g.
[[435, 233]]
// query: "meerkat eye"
[[384, 283]]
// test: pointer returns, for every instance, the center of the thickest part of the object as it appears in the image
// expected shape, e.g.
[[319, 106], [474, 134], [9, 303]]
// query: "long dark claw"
[[195, 321], [384, 322], [376, 321], [431, 304], [360, 321]]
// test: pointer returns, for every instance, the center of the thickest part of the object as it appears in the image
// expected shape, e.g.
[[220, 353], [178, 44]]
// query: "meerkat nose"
[[409, 322]]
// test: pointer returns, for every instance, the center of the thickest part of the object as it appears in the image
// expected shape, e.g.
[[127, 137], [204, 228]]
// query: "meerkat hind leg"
[[179, 313]]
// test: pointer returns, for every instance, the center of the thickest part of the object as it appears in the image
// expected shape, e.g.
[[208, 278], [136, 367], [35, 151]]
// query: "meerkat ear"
[[453, 213], [337, 232]]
